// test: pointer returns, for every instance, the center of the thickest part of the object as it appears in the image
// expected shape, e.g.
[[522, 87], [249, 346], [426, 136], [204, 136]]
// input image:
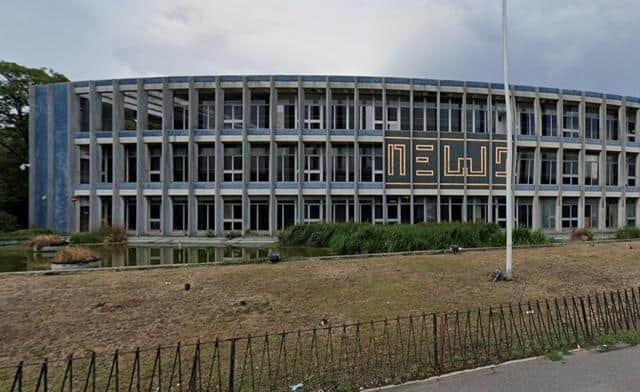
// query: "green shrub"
[[94, 237], [628, 232], [24, 234]]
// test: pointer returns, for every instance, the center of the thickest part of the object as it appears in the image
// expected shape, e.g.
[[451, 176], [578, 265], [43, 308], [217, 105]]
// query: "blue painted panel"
[[81, 135], [204, 132], [152, 80], [548, 187], [370, 132], [128, 185], [258, 78], [633, 99], [152, 185], [633, 144], [81, 84], [204, 78], [289, 132], [554, 139], [592, 141], [453, 83], [593, 94], [570, 187], [104, 134], [108, 82], [524, 88], [425, 82], [231, 78], [177, 132], [231, 185], [127, 81], [258, 185], [397, 80], [633, 189], [151, 133], [341, 132], [614, 97], [478, 84], [498, 86], [104, 186], [127, 133], [258, 131], [571, 140], [178, 185], [316, 78], [613, 142], [314, 132], [549, 90], [524, 187], [592, 188], [527, 137], [343, 79], [178, 79], [611, 188], [61, 162], [231, 132], [204, 185], [83, 187], [369, 79], [370, 185], [287, 185], [40, 144], [314, 185], [571, 92], [342, 185], [286, 78]]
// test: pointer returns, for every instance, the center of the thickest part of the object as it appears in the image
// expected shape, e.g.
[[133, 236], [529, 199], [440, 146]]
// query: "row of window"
[[286, 170], [399, 114], [398, 210]]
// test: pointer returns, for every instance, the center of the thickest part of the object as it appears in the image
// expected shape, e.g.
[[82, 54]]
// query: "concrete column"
[[165, 171], [328, 152], [356, 151], [537, 164], [465, 149], [622, 163], [74, 126], [273, 158], [489, 125], [246, 156], [412, 153], [300, 125], [192, 205], [141, 155], [95, 108], [117, 121], [385, 213], [219, 119], [602, 204]]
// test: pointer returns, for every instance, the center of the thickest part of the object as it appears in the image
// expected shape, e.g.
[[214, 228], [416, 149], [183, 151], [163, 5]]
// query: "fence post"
[[436, 365], [17, 379], [584, 318], [232, 364]]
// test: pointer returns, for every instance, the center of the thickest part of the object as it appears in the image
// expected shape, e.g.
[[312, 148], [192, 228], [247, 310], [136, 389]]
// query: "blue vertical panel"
[[61, 161], [40, 145]]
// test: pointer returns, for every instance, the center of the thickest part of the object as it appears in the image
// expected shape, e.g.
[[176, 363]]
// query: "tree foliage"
[[15, 83]]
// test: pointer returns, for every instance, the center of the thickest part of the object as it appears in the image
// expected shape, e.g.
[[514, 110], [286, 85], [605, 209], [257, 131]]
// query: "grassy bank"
[[353, 238]]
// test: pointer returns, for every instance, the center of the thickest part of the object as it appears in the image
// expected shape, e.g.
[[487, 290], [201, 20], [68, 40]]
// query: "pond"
[[15, 258]]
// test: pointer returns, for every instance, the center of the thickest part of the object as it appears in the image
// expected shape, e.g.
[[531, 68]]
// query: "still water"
[[18, 258]]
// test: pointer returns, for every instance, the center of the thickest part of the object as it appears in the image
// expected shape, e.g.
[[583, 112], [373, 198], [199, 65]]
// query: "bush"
[[582, 234], [8, 222], [42, 240], [94, 237], [75, 254], [628, 232], [106, 234], [23, 234], [352, 238], [114, 234]]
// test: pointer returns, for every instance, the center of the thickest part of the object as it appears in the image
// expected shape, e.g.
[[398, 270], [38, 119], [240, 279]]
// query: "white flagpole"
[[507, 97]]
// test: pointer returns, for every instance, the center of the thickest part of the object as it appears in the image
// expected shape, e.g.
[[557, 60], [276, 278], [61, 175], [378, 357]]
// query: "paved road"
[[617, 370]]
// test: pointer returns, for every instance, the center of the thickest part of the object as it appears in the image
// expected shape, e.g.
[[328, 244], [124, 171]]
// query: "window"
[[549, 167], [155, 161], [180, 215], [260, 112], [477, 209], [313, 162], [630, 212], [206, 162], [181, 109], [84, 113], [232, 220], [548, 213], [155, 109], [313, 114], [232, 163], [259, 220], [130, 162], [105, 115], [83, 221], [451, 209], [106, 163], [370, 163], [611, 213], [591, 211], [343, 163], [371, 210], [130, 213], [524, 212], [631, 125], [477, 115], [155, 209], [85, 164], [371, 111], [570, 168], [525, 167], [424, 113], [631, 169], [233, 111], [499, 118], [286, 111], [591, 168], [343, 210], [571, 121], [206, 109], [569, 213], [592, 123], [398, 112], [286, 214], [287, 163], [106, 207], [612, 169], [450, 114], [612, 125], [259, 163], [527, 125], [342, 115], [180, 163], [313, 211], [398, 210], [129, 110], [206, 214], [500, 211], [549, 119]]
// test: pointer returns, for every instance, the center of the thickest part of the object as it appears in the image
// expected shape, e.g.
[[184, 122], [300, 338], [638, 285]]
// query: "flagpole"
[[509, 193]]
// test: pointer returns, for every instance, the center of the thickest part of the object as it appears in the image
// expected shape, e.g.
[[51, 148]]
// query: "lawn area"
[[53, 315]]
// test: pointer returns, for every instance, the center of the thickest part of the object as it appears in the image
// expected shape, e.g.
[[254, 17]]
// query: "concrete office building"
[[253, 154]]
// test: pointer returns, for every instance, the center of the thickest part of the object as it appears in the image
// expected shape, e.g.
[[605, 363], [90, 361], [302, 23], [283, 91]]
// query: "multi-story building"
[[213, 154]]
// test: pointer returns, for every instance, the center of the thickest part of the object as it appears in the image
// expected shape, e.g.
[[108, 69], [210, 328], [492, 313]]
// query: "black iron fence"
[[342, 357]]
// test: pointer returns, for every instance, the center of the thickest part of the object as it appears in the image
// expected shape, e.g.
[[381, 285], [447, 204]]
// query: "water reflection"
[[121, 256]]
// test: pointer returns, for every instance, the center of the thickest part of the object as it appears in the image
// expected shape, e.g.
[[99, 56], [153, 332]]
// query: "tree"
[[15, 82]]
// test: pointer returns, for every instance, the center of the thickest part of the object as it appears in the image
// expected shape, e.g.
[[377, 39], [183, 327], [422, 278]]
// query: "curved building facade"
[[206, 155]]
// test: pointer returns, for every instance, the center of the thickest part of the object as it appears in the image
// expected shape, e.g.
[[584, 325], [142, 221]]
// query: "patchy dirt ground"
[[55, 315]]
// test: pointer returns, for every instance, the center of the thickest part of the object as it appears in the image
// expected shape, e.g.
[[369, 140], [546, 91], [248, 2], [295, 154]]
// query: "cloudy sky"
[[586, 44]]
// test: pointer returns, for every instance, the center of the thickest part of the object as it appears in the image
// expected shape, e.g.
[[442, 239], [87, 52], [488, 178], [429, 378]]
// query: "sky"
[[586, 45]]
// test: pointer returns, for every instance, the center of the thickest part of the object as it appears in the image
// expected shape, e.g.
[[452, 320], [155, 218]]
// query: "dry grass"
[[75, 255], [43, 240], [55, 315]]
